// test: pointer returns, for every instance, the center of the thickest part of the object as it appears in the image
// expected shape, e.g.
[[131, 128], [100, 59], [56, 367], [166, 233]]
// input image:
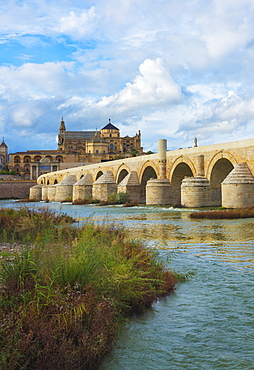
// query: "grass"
[[61, 301], [224, 214]]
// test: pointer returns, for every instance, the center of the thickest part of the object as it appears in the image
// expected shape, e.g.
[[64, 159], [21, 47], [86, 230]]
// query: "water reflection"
[[173, 230]]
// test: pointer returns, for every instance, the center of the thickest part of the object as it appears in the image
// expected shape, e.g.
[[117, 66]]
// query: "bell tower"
[[62, 130], [3, 155]]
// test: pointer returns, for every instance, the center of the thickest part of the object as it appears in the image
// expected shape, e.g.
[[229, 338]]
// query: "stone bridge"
[[212, 175]]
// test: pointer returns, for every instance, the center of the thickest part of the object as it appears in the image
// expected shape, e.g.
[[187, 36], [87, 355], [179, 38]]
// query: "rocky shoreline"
[[7, 250]]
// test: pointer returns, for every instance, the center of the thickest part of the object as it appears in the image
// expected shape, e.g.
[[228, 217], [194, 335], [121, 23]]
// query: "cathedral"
[[76, 148]]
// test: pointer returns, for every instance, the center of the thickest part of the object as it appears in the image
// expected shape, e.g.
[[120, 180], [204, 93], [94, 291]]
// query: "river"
[[207, 323]]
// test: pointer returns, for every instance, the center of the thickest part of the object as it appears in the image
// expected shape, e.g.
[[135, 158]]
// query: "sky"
[[174, 69]]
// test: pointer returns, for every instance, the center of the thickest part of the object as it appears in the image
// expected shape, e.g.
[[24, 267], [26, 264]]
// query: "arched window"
[[17, 168], [27, 168], [16, 159], [37, 158], [59, 158], [27, 159]]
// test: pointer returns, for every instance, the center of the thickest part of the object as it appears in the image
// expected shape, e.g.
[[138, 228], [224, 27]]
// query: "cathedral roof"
[[109, 126], [78, 135]]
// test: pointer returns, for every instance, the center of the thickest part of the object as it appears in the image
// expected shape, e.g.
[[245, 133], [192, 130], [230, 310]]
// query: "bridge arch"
[[214, 160], [219, 167], [122, 172], [182, 160], [99, 174], [148, 171], [181, 168]]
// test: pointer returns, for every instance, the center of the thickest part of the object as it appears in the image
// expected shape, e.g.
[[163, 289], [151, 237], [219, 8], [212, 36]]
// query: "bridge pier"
[[82, 190], [35, 193], [195, 192], [158, 192], [64, 190], [238, 188], [104, 186], [51, 193], [131, 185]]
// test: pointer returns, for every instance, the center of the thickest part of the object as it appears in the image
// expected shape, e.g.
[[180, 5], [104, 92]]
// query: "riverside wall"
[[15, 189]]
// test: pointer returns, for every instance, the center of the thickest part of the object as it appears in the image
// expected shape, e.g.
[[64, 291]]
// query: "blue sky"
[[175, 69]]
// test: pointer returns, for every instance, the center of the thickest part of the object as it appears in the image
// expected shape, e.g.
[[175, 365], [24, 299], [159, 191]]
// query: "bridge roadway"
[[163, 177]]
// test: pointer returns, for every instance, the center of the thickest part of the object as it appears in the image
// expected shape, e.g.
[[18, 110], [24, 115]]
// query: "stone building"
[[3, 156], [105, 141], [76, 148]]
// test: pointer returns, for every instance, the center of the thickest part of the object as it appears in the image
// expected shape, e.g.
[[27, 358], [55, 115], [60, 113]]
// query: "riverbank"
[[224, 214], [63, 300]]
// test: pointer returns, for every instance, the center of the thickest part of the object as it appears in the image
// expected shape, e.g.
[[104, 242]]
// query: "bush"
[[62, 299], [118, 198]]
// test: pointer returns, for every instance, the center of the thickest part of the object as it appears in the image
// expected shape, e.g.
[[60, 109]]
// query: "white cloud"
[[152, 87], [178, 68], [216, 119], [77, 25]]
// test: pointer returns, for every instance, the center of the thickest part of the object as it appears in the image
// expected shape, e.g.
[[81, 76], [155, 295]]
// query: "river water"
[[208, 322]]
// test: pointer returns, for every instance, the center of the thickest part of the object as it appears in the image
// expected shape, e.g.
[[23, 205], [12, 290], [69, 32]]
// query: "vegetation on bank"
[[6, 172], [224, 213], [63, 296]]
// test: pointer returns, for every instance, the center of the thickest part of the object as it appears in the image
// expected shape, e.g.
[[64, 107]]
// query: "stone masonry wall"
[[15, 189]]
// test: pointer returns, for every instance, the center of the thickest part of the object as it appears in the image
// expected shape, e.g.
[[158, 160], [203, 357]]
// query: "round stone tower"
[[195, 192]]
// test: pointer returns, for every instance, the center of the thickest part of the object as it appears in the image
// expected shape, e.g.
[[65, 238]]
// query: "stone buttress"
[[131, 185], [51, 192], [64, 190], [238, 188], [35, 193], [104, 186], [82, 190]]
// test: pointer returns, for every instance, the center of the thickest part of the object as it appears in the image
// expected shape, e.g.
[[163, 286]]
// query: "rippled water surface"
[[207, 323]]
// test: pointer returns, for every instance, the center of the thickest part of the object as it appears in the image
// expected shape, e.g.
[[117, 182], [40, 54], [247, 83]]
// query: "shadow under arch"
[[148, 173], [219, 172], [99, 174], [122, 174], [55, 182], [181, 170], [180, 160]]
